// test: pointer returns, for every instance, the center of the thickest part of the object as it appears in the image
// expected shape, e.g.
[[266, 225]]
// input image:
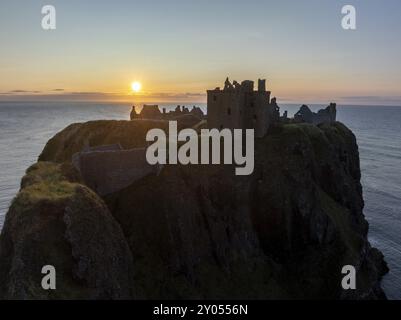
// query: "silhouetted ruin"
[[238, 106], [153, 112], [107, 169], [327, 115]]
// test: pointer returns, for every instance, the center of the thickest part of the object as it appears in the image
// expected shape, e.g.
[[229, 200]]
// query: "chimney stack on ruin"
[[262, 85]]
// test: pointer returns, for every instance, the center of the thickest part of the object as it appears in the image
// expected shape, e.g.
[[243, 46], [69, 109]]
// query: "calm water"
[[26, 127]]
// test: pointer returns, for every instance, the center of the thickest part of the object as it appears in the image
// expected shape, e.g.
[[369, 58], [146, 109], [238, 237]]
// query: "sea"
[[25, 127]]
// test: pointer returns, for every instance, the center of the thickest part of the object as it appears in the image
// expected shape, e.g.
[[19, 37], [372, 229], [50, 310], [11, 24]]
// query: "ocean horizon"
[[25, 127]]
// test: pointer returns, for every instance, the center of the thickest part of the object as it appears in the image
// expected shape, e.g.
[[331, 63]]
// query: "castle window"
[[252, 104], [255, 117], [229, 111], [214, 98]]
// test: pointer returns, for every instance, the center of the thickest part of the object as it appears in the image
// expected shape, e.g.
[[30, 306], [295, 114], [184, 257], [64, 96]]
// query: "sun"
[[136, 86]]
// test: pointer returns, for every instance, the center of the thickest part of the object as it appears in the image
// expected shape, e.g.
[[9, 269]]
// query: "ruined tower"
[[238, 106]]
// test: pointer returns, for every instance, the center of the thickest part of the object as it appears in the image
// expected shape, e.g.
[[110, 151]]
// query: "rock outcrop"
[[57, 221], [285, 232]]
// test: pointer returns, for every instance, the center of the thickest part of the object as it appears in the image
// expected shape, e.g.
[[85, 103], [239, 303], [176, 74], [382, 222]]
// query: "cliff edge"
[[200, 232]]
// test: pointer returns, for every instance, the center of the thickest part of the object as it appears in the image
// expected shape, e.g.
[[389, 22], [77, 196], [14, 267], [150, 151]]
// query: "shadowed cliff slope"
[[286, 231]]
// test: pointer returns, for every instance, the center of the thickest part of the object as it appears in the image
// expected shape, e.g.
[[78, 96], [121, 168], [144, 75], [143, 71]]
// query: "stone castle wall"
[[108, 171], [238, 106], [327, 115]]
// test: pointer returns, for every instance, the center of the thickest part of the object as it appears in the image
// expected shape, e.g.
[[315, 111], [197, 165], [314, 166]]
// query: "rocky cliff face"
[[286, 231]]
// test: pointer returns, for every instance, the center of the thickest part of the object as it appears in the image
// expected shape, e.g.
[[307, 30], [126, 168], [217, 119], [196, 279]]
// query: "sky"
[[179, 49]]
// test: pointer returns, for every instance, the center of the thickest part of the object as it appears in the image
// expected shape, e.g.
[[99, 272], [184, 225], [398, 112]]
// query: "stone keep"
[[238, 106]]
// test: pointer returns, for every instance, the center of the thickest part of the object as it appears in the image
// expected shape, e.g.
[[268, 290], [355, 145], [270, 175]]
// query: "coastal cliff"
[[284, 232]]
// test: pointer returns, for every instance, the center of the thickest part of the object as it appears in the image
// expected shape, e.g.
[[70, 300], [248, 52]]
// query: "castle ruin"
[[239, 106], [327, 115], [107, 169], [152, 111]]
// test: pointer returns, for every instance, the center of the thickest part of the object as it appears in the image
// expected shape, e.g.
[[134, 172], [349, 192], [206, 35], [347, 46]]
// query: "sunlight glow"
[[136, 86]]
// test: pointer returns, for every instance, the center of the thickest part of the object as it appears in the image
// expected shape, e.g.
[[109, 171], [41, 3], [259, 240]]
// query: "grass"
[[44, 181]]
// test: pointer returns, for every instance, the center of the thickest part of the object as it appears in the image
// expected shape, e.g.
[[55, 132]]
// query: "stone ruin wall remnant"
[[109, 170]]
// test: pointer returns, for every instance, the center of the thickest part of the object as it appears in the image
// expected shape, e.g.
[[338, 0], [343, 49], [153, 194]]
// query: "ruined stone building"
[[107, 169], [327, 115], [153, 112], [239, 106]]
